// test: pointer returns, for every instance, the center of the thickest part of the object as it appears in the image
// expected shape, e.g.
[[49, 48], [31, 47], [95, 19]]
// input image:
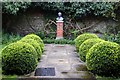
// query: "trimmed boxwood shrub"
[[37, 38], [18, 58], [86, 45], [104, 59], [35, 45], [81, 38]]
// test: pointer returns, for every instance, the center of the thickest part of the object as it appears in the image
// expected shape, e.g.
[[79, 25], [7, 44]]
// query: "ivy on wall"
[[14, 7], [75, 9], [79, 9]]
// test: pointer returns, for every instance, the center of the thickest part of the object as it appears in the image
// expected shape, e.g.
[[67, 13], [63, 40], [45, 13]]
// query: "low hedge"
[[59, 41], [86, 45], [81, 38], [35, 37], [104, 59], [35, 45], [18, 58]]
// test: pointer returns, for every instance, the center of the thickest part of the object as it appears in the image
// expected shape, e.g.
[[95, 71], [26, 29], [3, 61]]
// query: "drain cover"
[[45, 72]]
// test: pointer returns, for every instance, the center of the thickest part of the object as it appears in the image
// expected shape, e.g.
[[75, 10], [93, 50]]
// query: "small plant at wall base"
[[112, 37], [117, 38], [9, 38]]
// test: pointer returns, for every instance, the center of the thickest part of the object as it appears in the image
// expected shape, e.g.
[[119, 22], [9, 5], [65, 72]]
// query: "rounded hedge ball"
[[35, 45], [104, 59], [86, 45], [81, 38], [18, 58], [35, 37]]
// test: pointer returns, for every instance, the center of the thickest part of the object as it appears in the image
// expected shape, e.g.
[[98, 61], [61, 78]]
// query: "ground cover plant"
[[112, 37], [8, 38]]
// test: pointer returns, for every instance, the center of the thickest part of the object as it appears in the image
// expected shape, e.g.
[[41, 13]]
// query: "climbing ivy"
[[75, 9], [79, 9], [14, 7]]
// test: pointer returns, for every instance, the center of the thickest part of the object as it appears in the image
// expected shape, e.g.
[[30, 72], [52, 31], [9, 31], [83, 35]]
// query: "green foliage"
[[117, 38], [79, 9], [85, 46], [81, 38], [9, 38], [106, 78], [104, 59], [76, 9], [18, 58], [53, 6], [36, 38], [59, 41], [35, 45], [108, 37], [14, 7], [9, 77], [112, 37], [100, 8], [41, 34]]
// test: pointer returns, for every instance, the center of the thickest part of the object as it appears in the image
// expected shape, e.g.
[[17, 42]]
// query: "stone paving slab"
[[66, 63]]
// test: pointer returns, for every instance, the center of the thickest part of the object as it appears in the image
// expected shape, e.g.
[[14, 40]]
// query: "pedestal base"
[[59, 31], [59, 38]]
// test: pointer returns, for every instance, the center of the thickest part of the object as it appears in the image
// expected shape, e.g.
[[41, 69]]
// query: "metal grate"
[[45, 72]]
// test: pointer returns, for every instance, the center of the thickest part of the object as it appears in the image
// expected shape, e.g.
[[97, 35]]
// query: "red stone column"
[[59, 30]]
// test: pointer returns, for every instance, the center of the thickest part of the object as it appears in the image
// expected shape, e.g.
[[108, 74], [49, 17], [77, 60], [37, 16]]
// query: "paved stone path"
[[65, 61]]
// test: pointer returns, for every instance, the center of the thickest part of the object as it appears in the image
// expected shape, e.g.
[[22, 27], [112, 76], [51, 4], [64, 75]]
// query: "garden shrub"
[[86, 45], [81, 38], [35, 45], [37, 38], [104, 59], [18, 58]]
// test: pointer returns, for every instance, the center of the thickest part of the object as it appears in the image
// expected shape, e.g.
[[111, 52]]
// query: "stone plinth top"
[[59, 21]]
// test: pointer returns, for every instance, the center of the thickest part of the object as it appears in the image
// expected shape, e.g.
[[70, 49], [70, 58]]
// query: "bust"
[[59, 18]]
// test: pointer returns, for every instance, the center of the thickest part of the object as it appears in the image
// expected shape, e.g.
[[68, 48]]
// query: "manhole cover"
[[45, 72]]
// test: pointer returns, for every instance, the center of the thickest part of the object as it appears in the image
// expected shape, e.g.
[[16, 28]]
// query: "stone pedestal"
[[59, 30]]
